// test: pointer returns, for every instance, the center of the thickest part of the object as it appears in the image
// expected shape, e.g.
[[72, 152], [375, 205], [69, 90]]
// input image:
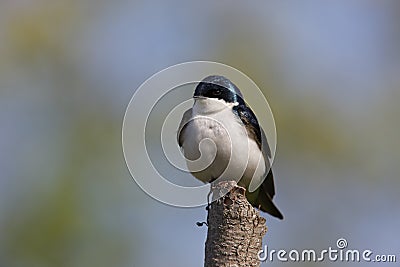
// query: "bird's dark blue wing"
[[254, 130]]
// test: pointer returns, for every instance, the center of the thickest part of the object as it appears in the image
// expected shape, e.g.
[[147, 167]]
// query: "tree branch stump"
[[235, 229]]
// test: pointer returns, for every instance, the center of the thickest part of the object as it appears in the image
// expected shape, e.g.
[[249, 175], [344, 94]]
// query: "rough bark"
[[235, 230]]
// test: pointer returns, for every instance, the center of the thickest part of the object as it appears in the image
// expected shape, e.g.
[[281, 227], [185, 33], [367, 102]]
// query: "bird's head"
[[218, 87]]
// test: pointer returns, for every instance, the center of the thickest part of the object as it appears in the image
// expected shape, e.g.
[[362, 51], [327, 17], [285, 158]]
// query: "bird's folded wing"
[[185, 119]]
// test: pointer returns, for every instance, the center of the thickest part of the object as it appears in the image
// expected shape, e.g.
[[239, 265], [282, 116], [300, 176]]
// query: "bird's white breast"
[[226, 148]]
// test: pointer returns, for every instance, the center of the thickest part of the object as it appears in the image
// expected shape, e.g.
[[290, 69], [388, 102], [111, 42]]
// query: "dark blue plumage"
[[219, 87]]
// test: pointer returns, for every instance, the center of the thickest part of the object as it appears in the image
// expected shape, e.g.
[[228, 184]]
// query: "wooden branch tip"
[[235, 228]]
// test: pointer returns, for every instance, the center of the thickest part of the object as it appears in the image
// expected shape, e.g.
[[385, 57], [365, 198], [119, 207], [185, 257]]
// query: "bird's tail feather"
[[264, 199], [267, 205]]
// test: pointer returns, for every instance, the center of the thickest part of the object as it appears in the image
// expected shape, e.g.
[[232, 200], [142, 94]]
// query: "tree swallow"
[[221, 138]]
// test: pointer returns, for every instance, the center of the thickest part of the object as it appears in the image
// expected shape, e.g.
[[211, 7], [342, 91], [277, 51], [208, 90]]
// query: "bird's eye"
[[216, 92]]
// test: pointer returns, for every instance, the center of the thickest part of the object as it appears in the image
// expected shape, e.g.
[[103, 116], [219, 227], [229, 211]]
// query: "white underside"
[[224, 137]]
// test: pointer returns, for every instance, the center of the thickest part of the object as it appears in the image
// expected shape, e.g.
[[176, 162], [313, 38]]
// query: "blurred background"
[[331, 74]]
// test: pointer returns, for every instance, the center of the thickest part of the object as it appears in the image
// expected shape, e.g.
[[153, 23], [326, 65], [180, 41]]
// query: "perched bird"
[[221, 138]]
